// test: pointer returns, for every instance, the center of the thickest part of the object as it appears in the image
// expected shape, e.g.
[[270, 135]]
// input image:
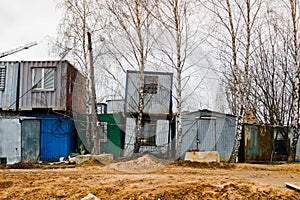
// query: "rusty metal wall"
[[258, 143], [8, 96], [158, 103], [208, 131], [56, 99]]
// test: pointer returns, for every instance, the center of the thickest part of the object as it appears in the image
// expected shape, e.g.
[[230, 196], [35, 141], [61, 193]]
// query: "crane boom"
[[21, 48]]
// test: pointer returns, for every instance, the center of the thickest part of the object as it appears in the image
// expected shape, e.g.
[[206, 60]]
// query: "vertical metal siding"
[[213, 134], [115, 106], [44, 99], [10, 140], [162, 134], [158, 103], [57, 136], [258, 143], [8, 97], [30, 137]]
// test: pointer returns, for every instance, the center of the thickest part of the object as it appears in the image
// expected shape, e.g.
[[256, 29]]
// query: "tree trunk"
[[94, 132], [295, 117]]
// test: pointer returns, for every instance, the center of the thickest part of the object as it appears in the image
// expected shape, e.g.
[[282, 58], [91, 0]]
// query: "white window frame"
[[2, 77], [42, 86]]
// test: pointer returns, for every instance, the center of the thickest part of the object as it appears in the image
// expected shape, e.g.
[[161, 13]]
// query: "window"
[[103, 131], [2, 77], [43, 78], [150, 84], [148, 133]]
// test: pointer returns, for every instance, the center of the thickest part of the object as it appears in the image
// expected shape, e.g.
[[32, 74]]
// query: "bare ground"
[[150, 178]]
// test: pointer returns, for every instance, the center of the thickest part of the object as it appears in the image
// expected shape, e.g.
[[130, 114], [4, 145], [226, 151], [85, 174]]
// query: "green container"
[[114, 126]]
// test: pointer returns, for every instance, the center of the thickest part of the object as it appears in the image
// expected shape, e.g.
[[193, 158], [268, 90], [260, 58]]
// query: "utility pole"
[[95, 134]]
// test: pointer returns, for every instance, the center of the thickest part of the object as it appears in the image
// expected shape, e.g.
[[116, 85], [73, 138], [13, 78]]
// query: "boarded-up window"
[[2, 77], [43, 78], [150, 84]]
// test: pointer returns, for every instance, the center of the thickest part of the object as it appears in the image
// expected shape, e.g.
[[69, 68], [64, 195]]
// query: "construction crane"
[[21, 48]]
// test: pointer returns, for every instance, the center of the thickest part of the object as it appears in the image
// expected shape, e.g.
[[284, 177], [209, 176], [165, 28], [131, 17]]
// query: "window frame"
[[104, 133], [2, 83], [150, 84], [42, 88], [148, 132]]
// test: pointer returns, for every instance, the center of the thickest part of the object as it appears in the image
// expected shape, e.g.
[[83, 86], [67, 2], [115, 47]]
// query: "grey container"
[[60, 96], [205, 130], [9, 91]]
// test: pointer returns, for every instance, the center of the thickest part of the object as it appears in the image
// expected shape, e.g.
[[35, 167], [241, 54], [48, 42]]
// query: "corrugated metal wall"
[[258, 143], [8, 96], [10, 140], [31, 140], [162, 135], [43, 99], [158, 103], [208, 131], [58, 136]]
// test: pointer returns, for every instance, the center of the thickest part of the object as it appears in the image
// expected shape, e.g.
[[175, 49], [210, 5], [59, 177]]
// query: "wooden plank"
[[292, 186]]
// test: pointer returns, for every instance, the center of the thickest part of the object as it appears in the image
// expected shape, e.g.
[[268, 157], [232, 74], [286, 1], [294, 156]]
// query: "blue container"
[[58, 136]]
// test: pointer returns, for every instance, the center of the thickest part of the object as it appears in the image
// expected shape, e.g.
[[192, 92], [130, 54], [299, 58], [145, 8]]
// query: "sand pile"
[[145, 163]]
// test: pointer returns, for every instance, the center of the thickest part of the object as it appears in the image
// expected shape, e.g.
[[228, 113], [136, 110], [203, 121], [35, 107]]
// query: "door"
[[30, 149]]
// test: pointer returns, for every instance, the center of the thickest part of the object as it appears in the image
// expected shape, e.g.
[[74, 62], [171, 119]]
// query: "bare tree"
[[238, 20], [132, 44], [271, 71], [294, 4], [178, 41], [80, 17]]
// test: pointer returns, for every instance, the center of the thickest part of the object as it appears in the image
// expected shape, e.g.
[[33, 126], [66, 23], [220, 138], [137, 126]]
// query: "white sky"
[[26, 21]]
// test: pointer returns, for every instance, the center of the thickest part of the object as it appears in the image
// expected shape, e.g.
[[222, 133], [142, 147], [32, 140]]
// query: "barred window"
[[43, 79], [150, 84], [2, 77]]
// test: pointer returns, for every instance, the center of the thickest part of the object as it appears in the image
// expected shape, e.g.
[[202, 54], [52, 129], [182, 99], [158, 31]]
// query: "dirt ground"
[[149, 178]]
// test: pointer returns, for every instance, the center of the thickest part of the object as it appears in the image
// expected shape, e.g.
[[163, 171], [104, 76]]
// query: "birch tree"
[[132, 45], [178, 41], [238, 19], [79, 18]]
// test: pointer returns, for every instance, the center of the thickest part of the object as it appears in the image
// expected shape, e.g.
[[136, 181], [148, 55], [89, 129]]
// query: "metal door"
[[30, 149]]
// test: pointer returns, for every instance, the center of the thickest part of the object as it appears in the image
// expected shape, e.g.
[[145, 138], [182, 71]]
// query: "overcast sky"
[[26, 21]]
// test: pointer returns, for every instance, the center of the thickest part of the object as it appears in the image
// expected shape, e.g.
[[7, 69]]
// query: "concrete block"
[[202, 156]]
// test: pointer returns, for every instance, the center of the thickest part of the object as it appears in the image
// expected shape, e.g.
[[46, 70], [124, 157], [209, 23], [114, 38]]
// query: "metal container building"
[[115, 106], [113, 130], [157, 92], [161, 138], [265, 143], [57, 135], [157, 113], [206, 130], [48, 84], [9, 85], [10, 138]]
